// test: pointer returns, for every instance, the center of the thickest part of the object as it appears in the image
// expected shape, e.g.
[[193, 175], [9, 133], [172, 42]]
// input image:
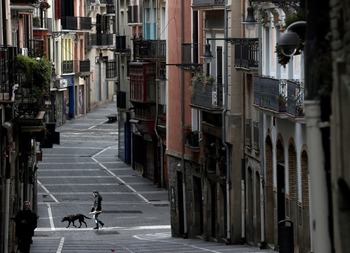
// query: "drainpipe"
[[223, 132], [117, 7], [183, 124], [159, 138], [262, 152]]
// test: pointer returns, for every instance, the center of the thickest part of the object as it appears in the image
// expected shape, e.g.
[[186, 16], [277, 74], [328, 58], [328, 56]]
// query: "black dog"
[[73, 217]]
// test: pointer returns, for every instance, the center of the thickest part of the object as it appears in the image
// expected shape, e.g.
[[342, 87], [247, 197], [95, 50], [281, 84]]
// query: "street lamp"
[[207, 56], [250, 20], [292, 38]]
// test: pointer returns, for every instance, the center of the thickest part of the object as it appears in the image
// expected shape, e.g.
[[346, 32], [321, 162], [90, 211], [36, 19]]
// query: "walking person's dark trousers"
[[24, 244]]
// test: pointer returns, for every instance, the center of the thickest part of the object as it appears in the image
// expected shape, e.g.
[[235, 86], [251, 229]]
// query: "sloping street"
[[135, 212]]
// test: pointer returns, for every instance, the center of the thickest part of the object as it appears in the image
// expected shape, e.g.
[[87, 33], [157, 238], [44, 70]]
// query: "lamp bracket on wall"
[[57, 34], [237, 41], [195, 67]]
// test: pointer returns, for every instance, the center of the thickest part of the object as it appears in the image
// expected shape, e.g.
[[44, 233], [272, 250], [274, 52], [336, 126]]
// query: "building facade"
[[46, 79]]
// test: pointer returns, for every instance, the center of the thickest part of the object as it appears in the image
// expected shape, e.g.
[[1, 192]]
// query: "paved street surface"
[[135, 212]]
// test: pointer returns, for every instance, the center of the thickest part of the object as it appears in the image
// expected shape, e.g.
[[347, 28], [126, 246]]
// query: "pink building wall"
[[178, 32]]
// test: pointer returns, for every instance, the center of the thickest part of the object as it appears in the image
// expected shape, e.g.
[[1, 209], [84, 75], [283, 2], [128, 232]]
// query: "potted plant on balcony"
[[200, 78], [35, 75]]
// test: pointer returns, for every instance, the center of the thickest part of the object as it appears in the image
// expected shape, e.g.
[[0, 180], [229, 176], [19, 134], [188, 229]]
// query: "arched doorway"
[[281, 186], [249, 207], [293, 189], [304, 226], [257, 208]]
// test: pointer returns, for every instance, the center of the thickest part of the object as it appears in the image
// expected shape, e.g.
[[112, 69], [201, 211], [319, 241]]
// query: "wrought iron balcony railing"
[[279, 95], [206, 96], [24, 1], [76, 23], [110, 8], [122, 44], [42, 22], [149, 49], [26, 105], [190, 57], [207, 3], [8, 73], [192, 140], [101, 40], [247, 54], [36, 48], [82, 67]]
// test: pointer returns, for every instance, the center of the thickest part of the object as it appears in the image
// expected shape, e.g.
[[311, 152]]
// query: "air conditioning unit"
[[24, 51], [61, 83]]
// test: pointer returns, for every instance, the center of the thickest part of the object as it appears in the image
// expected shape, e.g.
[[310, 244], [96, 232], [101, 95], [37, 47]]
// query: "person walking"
[[97, 209], [26, 222]]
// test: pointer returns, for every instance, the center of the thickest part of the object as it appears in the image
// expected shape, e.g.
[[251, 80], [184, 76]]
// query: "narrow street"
[[135, 212]]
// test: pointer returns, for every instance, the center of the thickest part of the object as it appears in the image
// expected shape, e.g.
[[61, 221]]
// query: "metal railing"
[[207, 2], [208, 96], [279, 95], [36, 48], [149, 49], [76, 23], [101, 39], [247, 54], [8, 72]]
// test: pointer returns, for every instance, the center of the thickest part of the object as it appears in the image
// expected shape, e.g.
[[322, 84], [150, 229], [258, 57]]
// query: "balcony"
[[208, 4], [24, 1], [121, 45], [149, 49], [192, 140], [247, 54], [190, 57], [110, 8], [8, 73], [41, 23], [76, 23], [101, 40], [26, 105], [206, 96], [281, 96], [82, 68], [36, 48]]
